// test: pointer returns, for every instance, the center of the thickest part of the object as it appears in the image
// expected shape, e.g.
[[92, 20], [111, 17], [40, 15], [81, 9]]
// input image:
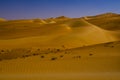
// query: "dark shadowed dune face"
[[108, 21]]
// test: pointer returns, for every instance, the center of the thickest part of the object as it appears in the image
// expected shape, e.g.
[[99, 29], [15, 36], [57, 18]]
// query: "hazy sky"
[[20, 9]]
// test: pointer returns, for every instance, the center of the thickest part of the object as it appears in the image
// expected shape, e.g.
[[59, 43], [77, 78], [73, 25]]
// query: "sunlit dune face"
[[1, 20], [66, 26]]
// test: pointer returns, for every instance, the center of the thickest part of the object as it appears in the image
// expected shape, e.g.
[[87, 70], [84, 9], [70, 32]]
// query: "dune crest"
[[40, 21], [108, 21], [2, 20]]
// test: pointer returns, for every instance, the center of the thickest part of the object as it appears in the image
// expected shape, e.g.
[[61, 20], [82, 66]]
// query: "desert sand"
[[59, 48]]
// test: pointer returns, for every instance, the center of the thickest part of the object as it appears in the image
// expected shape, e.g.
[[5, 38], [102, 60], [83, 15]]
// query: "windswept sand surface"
[[99, 62], [58, 49]]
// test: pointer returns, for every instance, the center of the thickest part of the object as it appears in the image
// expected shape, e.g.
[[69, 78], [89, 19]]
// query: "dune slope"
[[71, 33], [108, 21], [99, 62]]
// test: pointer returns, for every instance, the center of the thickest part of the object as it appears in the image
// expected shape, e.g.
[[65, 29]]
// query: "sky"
[[29, 9]]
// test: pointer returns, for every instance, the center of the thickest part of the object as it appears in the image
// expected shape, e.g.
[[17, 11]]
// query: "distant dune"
[[109, 21], [2, 20], [71, 33], [40, 21]]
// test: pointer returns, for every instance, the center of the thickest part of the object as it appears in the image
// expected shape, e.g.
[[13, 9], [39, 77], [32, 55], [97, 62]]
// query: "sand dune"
[[108, 21], [2, 20], [40, 21], [59, 48], [99, 62], [71, 33]]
